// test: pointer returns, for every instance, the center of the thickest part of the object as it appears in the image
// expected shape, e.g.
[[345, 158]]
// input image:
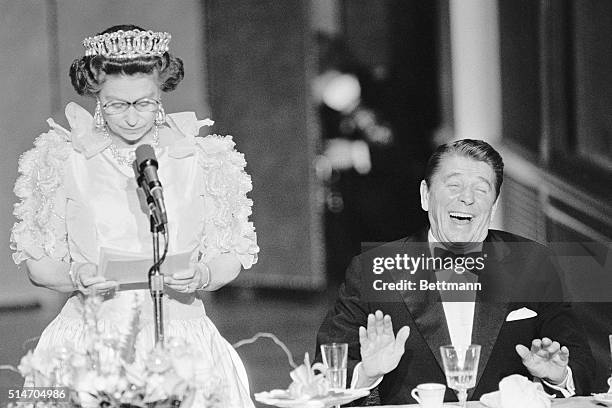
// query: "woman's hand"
[[187, 280], [88, 281], [211, 276]]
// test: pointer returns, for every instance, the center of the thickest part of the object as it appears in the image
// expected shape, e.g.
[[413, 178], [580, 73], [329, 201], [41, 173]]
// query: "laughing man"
[[518, 317]]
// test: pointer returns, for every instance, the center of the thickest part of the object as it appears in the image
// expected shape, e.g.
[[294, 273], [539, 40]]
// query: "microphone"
[[146, 167], [142, 191]]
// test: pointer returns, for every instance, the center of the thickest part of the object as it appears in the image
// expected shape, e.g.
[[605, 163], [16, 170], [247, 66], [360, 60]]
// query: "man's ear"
[[424, 196], [494, 208]]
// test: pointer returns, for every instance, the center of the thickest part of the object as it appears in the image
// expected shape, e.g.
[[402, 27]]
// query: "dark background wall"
[[259, 66], [555, 109]]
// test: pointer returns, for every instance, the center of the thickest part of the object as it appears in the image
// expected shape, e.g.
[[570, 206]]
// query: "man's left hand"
[[546, 359]]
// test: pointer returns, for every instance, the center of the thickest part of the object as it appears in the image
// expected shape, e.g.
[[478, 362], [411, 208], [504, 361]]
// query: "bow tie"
[[475, 268]]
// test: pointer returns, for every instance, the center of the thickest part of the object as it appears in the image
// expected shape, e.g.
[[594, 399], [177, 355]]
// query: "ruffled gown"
[[77, 199]]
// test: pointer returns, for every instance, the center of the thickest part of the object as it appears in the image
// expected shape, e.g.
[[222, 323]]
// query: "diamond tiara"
[[127, 44]]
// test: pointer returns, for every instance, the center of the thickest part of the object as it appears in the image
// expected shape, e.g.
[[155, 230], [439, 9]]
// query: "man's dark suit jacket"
[[518, 273]]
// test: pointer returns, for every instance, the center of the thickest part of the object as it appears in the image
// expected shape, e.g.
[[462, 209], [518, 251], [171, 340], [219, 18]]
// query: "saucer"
[[603, 398], [282, 399]]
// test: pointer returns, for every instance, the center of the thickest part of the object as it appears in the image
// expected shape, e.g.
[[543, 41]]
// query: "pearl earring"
[[160, 117]]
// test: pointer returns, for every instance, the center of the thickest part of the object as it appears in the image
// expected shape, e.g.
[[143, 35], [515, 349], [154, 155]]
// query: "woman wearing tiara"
[[78, 199]]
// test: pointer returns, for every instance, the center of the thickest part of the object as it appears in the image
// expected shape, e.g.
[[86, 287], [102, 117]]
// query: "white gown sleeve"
[[41, 228], [227, 228]]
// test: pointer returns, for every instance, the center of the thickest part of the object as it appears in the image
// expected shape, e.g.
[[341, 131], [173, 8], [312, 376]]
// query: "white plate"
[[603, 398], [282, 399]]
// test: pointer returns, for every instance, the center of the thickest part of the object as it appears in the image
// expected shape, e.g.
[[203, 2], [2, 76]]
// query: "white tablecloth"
[[575, 402]]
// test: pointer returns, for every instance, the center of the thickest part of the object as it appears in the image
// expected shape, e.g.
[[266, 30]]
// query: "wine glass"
[[461, 368]]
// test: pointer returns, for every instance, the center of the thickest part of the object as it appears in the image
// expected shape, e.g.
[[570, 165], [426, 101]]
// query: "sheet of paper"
[[129, 267]]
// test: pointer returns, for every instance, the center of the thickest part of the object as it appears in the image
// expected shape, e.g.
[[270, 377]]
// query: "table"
[[575, 402]]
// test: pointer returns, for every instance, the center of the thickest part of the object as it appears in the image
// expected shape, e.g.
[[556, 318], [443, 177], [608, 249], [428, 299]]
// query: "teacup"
[[429, 395]]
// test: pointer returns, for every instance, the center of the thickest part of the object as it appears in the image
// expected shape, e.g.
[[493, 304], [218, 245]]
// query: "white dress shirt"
[[459, 315]]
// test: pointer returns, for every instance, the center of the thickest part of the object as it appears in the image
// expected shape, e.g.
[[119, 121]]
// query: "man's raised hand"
[[546, 359], [381, 349]]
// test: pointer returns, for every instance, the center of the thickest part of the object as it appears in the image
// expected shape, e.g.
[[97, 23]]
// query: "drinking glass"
[[334, 359], [461, 368]]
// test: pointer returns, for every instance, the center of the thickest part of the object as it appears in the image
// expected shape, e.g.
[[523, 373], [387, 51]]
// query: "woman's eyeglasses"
[[141, 105]]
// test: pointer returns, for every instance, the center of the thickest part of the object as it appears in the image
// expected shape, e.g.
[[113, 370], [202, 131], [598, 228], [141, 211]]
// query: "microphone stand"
[[156, 277], [156, 283]]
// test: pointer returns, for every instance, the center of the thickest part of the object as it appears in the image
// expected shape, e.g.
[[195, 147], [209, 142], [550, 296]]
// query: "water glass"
[[334, 359], [461, 368]]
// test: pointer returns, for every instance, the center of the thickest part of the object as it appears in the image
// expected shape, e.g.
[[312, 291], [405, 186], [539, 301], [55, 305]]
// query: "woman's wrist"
[[204, 276], [75, 279], [72, 273]]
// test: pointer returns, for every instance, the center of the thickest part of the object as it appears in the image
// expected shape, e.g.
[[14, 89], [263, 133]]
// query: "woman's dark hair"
[[88, 73], [474, 149]]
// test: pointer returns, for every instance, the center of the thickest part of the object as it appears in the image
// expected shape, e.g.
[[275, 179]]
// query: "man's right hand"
[[381, 350]]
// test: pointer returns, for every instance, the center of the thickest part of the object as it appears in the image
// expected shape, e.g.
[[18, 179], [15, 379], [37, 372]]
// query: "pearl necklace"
[[131, 156]]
